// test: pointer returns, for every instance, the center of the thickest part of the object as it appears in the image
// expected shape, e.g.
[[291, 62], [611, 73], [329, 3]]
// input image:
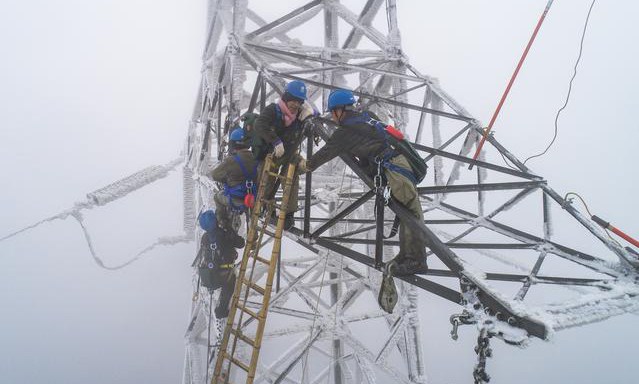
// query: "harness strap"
[[388, 152], [242, 189], [394, 228], [238, 160], [401, 170]]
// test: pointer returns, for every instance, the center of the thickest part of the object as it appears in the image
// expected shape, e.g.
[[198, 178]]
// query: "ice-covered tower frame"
[[262, 60]]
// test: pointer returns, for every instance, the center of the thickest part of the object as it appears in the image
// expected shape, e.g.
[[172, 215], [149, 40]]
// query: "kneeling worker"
[[358, 136]]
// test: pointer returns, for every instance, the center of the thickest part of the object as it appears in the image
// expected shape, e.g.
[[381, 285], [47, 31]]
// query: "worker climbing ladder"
[[234, 331]]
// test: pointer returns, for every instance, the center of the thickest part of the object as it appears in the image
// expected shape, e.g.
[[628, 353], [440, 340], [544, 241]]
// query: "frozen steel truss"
[[493, 246]]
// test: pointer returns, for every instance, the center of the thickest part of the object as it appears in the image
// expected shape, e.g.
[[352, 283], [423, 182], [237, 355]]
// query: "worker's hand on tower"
[[307, 111], [278, 148], [302, 165]]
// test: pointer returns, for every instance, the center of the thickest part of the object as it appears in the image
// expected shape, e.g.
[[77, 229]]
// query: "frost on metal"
[[131, 183], [322, 282]]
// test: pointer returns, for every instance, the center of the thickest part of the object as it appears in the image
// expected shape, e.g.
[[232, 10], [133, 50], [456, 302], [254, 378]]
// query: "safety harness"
[[383, 159], [245, 191], [214, 250]]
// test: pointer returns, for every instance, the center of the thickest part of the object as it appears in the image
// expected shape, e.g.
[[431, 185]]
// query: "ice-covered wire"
[[574, 74]]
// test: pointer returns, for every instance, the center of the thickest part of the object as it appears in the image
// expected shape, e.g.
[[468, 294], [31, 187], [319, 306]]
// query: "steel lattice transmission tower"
[[329, 274]]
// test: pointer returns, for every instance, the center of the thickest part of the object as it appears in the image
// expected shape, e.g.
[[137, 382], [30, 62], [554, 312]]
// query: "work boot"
[[289, 221], [405, 266]]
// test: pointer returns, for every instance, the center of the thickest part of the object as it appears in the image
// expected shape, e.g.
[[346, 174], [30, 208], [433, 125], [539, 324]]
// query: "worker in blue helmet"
[[215, 259], [280, 127], [238, 175], [359, 134]]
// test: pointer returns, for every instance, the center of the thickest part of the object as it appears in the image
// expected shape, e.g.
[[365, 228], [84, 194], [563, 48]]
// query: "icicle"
[[188, 189]]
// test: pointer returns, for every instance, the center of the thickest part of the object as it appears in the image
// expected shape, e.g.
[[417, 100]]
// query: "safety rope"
[[574, 74], [208, 336]]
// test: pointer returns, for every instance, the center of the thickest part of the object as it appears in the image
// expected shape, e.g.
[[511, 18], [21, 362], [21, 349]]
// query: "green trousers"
[[283, 169], [411, 242]]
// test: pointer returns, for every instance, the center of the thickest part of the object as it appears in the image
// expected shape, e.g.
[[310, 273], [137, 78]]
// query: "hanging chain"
[[483, 352], [464, 318]]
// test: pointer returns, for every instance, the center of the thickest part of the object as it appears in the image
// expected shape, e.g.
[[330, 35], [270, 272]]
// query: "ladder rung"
[[254, 286], [261, 259], [236, 362], [277, 175], [248, 311], [243, 338]]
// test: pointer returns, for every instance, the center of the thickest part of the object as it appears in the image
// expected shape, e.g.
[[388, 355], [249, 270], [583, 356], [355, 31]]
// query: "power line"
[[581, 46]]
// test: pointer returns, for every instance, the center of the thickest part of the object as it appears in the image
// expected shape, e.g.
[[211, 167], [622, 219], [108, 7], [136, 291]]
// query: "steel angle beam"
[[346, 240], [365, 18], [417, 281], [284, 18], [344, 64], [479, 187], [578, 257], [446, 255], [380, 99], [483, 164]]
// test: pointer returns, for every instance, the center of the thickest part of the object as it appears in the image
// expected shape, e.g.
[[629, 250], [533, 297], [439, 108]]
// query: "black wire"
[[507, 163], [581, 46]]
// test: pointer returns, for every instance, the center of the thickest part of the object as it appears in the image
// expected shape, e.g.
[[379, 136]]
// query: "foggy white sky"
[[93, 91]]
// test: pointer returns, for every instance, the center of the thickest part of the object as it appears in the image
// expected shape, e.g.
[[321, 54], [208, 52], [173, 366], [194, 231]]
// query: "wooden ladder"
[[233, 332]]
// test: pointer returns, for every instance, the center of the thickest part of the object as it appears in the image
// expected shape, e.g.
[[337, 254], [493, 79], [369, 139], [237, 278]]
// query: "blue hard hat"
[[237, 134], [207, 220], [340, 98], [297, 89]]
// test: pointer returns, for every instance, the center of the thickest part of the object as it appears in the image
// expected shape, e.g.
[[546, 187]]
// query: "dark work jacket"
[[226, 240], [270, 128], [229, 171], [360, 140]]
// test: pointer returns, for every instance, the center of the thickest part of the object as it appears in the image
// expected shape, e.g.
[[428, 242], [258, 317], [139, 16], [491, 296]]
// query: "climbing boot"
[[289, 221], [406, 266]]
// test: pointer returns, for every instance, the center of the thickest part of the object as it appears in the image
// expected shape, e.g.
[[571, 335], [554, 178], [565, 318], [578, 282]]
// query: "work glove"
[[307, 111], [278, 148], [301, 165]]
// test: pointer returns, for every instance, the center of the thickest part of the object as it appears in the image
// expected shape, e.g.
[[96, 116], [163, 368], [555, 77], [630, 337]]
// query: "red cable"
[[624, 236], [606, 225], [510, 83]]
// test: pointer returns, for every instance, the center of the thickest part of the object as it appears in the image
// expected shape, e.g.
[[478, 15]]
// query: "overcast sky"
[[91, 92]]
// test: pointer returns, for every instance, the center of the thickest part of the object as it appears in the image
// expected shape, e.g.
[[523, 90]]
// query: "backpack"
[[395, 139]]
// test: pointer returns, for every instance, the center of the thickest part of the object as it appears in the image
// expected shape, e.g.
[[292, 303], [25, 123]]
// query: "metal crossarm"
[[486, 253], [250, 280]]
